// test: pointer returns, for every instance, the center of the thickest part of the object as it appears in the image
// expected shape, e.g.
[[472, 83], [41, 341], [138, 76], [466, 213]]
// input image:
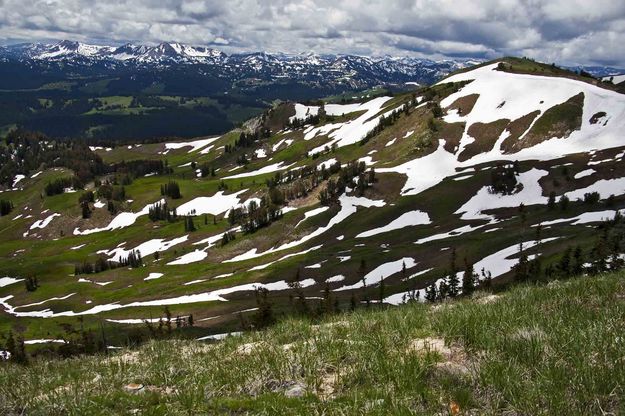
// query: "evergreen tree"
[[264, 313], [452, 281], [468, 278], [521, 269], [5, 207], [564, 265], [578, 261], [551, 201], [431, 293], [171, 189], [86, 211], [487, 279], [189, 226]]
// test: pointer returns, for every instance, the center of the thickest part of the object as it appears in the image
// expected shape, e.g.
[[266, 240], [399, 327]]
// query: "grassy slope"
[[53, 261], [553, 349]]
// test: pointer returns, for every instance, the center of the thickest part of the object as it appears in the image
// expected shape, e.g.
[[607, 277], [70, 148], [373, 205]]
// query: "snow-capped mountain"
[[359, 70]]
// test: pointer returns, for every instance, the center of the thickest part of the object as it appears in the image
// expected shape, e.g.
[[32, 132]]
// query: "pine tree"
[[264, 313], [86, 211], [352, 302], [431, 293], [551, 202], [382, 291], [452, 282], [487, 279], [168, 319], [564, 265], [189, 226], [468, 278], [578, 261], [521, 268]]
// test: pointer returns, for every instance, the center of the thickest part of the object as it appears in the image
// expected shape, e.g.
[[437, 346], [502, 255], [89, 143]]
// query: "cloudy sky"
[[563, 31]]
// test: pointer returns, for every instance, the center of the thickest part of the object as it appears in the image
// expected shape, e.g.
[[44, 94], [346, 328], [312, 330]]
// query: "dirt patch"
[[453, 357], [485, 135], [451, 133], [430, 345], [464, 105], [559, 121], [516, 129]]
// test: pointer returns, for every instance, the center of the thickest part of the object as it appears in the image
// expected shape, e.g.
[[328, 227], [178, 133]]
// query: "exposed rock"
[[296, 390]]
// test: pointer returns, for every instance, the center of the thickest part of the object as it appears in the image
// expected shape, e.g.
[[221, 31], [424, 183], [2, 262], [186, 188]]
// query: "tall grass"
[[555, 349]]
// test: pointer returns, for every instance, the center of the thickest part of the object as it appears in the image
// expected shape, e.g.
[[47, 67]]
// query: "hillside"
[[552, 349], [497, 172]]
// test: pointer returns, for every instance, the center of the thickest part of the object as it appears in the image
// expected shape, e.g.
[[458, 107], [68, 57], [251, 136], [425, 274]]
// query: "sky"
[[562, 31]]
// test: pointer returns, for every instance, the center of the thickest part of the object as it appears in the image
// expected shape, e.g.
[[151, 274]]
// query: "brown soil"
[[485, 135]]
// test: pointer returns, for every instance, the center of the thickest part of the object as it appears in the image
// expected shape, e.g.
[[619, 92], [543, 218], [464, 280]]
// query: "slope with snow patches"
[[520, 95], [400, 236]]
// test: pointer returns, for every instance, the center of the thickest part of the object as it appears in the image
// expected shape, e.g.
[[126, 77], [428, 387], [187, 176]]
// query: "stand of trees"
[[247, 139], [171, 189], [5, 207], [26, 151], [133, 260], [31, 283], [161, 212], [255, 215], [137, 168], [58, 186], [347, 177], [503, 179]]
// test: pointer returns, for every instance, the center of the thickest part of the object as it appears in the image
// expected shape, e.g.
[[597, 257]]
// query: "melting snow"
[[17, 179], [380, 273], [485, 200], [585, 218], [44, 223], [195, 145], [122, 220], [147, 248], [312, 213], [153, 276], [265, 169], [406, 219], [584, 173], [5, 281], [605, 188], [349, 206], [350, 132], [215, 205]]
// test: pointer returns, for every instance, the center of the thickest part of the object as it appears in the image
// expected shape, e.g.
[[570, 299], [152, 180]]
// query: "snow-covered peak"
[[67, 48]]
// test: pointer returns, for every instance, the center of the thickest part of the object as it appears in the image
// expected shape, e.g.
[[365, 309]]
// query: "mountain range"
[[358, 71], [141, 92]]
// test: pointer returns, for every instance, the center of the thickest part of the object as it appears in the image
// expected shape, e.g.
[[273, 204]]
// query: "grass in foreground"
[[556, 349]]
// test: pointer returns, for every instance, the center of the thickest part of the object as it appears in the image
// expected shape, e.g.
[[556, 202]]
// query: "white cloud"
[[557, 30]]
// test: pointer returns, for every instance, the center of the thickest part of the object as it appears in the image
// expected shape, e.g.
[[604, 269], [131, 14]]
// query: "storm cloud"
[[563, 31]]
